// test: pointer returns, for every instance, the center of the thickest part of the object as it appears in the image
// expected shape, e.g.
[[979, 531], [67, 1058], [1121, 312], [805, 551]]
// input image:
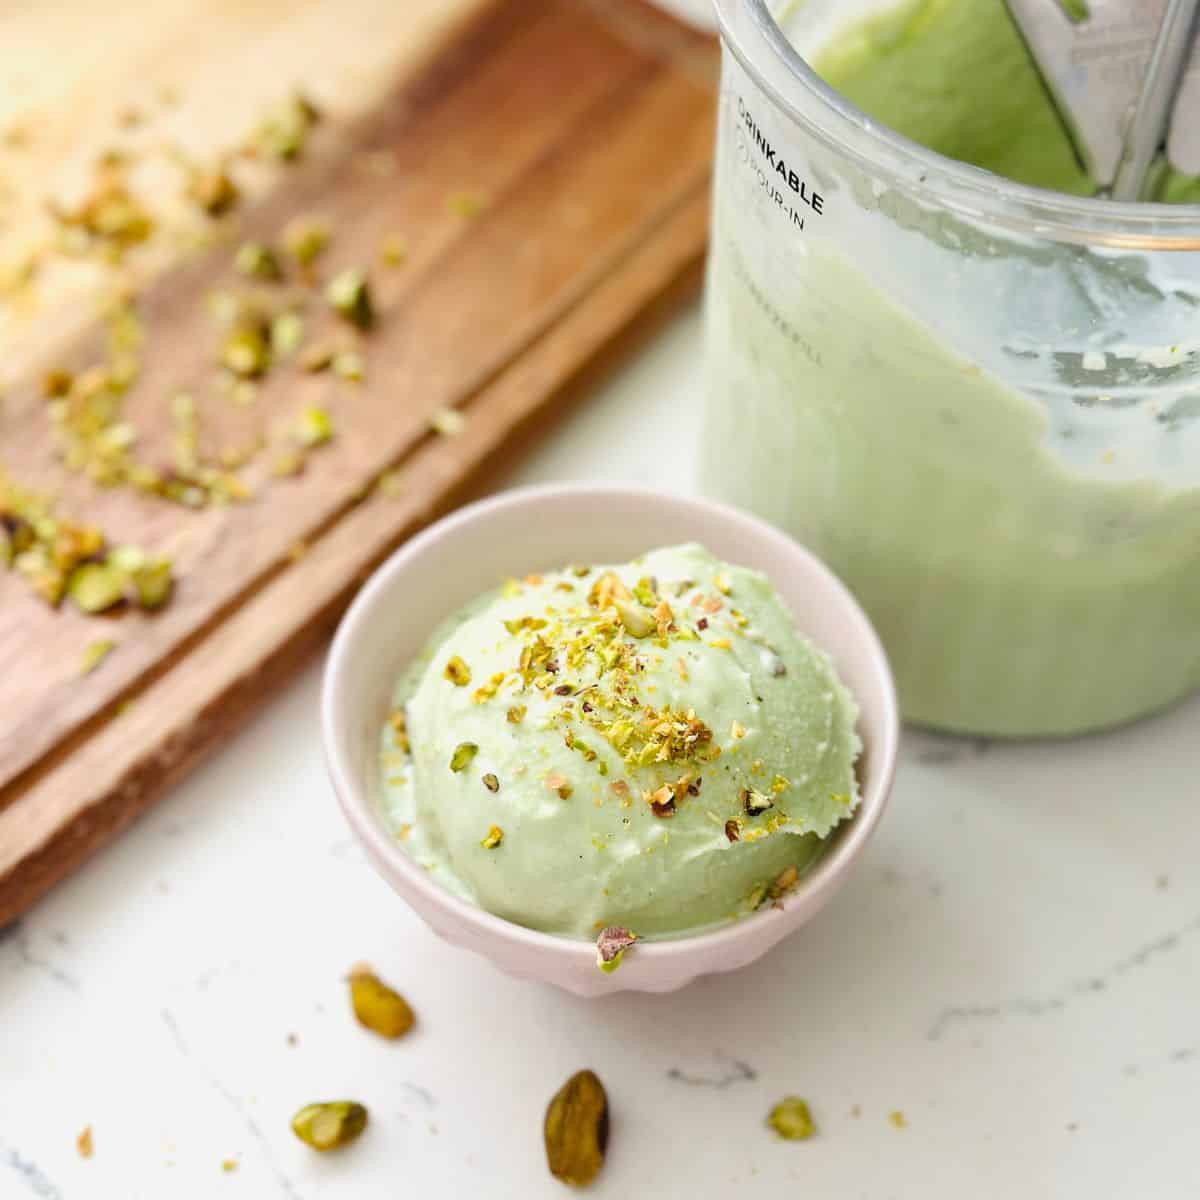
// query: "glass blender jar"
[[978, 401]]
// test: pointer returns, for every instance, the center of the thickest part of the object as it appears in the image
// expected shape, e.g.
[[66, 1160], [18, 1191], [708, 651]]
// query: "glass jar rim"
[[751, 33]]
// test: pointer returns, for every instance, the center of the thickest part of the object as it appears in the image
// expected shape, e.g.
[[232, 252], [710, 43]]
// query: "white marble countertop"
[[1015, 968]]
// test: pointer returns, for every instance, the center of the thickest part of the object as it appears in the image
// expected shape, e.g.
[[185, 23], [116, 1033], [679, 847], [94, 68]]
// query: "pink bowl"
[[535, 529]]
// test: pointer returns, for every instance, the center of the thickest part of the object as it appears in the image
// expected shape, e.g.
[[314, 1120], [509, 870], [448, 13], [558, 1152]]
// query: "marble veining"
[[1034, 1006]]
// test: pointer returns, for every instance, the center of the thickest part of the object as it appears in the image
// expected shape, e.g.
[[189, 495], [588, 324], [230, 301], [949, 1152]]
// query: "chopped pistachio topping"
[[457, 672], [463, 756], [897, 1119], [638, 621], [792, 1120], [611, 945], [330, 1125], [784, 882], [733, 830], [495, 835], [378, 1007], [349, 295], [398, 720], [491, 783], [661, 801], [754, 802], [557, 782], [516, 714]]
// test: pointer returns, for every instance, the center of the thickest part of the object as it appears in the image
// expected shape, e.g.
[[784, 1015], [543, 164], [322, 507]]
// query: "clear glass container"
[[978, 401]]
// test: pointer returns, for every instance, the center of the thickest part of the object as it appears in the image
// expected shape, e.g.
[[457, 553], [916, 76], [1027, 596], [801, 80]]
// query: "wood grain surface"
[[585, 130]]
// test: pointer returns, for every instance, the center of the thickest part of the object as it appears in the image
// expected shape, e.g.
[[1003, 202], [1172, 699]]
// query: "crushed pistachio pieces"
[[466, 204], [257, 260], [94, 653], [661, 801], [56, 382], [245, 351], [457, 671], [284, 132], [575, 1129], [755, 803], [897, 1119], [313, 426], [495, 835], [350, 366], [733, 829], [317, 358], [96, 587], [212, 190], [305, 239], [792, 1120], [349, 295], [377, 1007], [516, 714], [784, 882], [330, 1125], [398, 720], [287, 334], [491, 782], [463, 756], [447, 422], [611, 945], [555, 781], [390, 483], [393, 250], [229, 1165]]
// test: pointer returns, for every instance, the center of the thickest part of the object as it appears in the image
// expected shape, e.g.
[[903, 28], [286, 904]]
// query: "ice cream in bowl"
[[609, 738]]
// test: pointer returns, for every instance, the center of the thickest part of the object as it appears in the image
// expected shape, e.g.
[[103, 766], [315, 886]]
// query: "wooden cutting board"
[[580, 131]]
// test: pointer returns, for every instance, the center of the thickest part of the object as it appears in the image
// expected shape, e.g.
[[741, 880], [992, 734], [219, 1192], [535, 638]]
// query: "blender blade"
[[1113, 68]]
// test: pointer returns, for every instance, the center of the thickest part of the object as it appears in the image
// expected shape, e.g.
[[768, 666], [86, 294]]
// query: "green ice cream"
[[652, 746], [956, 76]]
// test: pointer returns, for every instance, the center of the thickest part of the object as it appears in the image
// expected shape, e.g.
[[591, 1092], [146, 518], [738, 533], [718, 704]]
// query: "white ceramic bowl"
[[535, 529]]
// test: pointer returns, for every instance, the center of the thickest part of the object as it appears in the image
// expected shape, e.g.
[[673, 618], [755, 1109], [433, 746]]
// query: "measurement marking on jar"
[[777, 165]]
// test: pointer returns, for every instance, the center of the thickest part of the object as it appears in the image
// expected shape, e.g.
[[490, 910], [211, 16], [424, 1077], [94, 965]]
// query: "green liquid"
[[957, 77]]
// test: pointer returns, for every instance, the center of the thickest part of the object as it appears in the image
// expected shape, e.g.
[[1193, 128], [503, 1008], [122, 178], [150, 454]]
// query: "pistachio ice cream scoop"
[[652, 746]]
